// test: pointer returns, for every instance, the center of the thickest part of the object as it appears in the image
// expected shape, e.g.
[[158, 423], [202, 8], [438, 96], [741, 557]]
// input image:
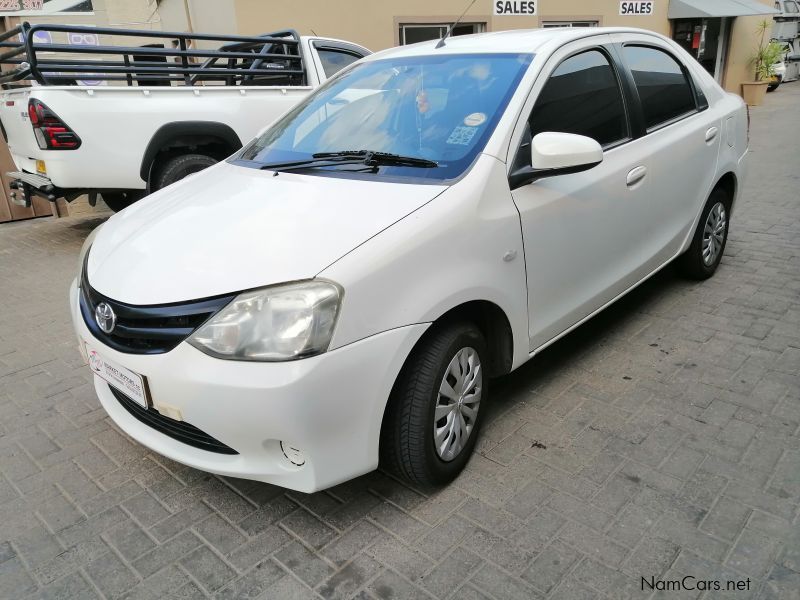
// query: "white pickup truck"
[[121, 121]]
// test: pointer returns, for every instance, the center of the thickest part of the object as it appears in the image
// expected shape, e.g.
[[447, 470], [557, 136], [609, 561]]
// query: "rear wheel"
[[437, 406], [702, 258], [176, 168]]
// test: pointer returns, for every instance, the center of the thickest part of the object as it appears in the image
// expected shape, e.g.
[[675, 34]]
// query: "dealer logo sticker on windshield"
[[475, 119]]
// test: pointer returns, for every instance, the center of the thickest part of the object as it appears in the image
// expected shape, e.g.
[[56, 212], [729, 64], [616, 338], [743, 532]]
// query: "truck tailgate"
[[17, 125]]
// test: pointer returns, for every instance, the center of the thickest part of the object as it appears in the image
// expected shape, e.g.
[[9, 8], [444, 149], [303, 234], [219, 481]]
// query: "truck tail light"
[[50, 131]]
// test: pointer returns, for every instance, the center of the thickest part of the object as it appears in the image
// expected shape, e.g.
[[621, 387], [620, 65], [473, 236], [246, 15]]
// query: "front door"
[[587, 235]]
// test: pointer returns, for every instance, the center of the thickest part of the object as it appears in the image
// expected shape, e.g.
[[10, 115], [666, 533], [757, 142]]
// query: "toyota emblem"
[[105, 317]]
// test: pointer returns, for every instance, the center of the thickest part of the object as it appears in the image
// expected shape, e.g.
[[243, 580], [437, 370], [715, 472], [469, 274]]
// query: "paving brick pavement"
[[660, 440]]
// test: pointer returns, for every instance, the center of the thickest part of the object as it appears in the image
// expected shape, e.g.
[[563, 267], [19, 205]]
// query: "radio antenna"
[[453, 26]]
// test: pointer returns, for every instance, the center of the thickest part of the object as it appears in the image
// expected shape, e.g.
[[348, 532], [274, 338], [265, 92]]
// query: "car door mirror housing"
[[554, 153]]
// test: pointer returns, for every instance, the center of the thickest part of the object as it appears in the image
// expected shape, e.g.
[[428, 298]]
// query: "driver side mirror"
[[554, 153]]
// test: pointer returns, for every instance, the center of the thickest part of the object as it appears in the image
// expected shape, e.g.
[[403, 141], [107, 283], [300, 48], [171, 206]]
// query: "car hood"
[[232, 228]]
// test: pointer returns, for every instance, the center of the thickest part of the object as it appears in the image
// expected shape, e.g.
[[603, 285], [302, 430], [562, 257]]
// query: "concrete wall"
[[743, 44]]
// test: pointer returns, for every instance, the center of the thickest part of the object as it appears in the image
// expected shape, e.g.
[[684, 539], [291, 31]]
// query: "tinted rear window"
[[664, 91]]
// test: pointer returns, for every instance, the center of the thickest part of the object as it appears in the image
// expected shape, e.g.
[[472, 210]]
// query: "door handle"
[[711, 134], [635, 175]]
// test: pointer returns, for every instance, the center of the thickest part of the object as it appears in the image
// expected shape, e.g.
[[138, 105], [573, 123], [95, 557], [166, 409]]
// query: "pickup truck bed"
[[139, 125]]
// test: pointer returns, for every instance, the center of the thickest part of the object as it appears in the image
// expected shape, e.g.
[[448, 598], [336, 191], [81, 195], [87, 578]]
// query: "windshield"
[[437, 108]]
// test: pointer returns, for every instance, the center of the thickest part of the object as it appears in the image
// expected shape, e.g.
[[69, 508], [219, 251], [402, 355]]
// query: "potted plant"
[[767, 54]]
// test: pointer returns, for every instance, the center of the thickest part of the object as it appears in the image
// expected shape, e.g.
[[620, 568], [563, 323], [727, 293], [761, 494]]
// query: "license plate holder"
[[130, 383]]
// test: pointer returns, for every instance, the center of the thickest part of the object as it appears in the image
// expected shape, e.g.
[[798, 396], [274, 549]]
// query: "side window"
[[334, 60], [582, 96], [663, 88], [791, 7]]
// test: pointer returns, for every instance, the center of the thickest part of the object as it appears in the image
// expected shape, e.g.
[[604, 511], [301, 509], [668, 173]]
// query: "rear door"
[[681, 134]]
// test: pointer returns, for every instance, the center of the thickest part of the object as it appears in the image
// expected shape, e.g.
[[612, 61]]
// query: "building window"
[[569, 23], [411, 33]]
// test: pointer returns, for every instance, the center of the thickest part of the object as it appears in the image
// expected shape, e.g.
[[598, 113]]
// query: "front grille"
[[152, 329], [177, 430]]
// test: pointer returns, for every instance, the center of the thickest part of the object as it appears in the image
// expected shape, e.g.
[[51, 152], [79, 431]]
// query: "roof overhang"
[[697, 9]]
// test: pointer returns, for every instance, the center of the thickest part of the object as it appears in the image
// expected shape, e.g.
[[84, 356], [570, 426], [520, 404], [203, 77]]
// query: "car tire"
[[176, 168], [772, 87], [116, 201], [408, 445], [702, 258]]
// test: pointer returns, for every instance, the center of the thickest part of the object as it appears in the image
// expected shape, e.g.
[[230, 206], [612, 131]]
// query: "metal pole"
[[188, 16]]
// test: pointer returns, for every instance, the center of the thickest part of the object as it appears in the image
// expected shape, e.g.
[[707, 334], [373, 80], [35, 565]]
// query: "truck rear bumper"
[[27, 185]]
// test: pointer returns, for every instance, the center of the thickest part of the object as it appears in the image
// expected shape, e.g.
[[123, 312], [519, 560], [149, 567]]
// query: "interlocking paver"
[[660, 439]]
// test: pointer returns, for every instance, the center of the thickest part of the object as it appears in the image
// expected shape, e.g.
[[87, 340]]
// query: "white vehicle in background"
[[345, 286], [778, 76], [177, 109]]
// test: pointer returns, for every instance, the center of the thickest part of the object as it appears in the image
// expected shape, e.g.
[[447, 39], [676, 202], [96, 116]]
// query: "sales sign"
[[524, 8], [633, 9]]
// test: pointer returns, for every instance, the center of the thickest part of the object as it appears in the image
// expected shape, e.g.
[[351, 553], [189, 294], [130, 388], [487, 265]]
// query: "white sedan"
[[340, 293]]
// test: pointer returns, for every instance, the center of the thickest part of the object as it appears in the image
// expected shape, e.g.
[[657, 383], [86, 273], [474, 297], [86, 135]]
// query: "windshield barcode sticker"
[[461, 136]]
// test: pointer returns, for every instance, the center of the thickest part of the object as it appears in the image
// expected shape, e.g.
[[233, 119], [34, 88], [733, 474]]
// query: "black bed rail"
[[271, 59]]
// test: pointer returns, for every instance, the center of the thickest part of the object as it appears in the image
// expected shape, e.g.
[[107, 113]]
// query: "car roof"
[[511, 41]]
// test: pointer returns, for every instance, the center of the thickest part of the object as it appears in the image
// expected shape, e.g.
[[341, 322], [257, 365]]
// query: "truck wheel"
[[178, 167], [436, 406], [702, 258], [116, 201]]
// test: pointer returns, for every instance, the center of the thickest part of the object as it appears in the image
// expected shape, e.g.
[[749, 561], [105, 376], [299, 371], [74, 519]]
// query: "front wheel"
[[436, 407], [702, 258]]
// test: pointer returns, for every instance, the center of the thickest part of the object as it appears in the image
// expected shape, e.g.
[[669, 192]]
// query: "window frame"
[[570, 24], [479, 26], [352, 50], [700, 101], [606, 51]]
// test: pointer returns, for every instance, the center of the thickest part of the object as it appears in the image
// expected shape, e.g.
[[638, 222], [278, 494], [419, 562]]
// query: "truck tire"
[[176, 168], [437, 405], [116, 201]]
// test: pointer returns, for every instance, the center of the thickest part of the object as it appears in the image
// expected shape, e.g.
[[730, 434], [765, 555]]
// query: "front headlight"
[[283, 322]]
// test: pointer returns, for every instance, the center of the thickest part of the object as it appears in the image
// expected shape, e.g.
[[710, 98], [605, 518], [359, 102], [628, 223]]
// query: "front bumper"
[[330, 406]]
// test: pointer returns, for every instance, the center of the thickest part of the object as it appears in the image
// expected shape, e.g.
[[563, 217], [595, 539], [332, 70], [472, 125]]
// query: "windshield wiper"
[[311, 162], [371, 157], [352, 157]]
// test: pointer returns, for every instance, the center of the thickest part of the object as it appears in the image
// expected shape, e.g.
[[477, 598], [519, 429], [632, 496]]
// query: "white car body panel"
[[549, 255], [278, 228], [116, 123]]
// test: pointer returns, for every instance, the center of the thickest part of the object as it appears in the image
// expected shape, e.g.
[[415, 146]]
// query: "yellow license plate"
[[40, 168]]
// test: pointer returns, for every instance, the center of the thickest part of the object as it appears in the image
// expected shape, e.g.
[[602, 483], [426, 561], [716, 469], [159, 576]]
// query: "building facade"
[[719, 33]]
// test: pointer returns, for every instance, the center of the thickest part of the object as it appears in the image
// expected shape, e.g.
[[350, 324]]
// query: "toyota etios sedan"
[[341, 291]]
